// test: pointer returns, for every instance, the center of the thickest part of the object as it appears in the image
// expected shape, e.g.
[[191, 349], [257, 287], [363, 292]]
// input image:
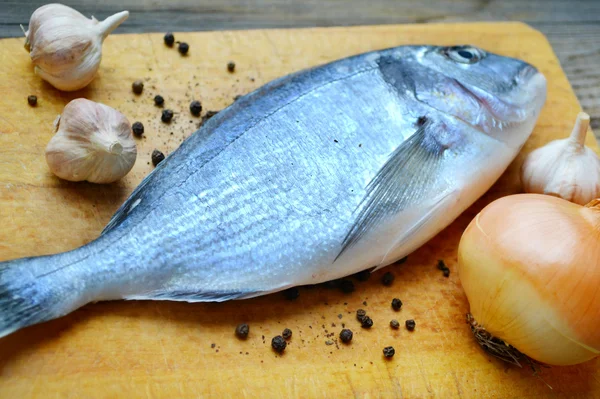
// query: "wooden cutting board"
[[179, 350]]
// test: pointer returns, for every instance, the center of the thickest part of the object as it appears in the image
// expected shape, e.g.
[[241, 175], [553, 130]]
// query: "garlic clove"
[[564, 168], [65, 46], [93, 142]]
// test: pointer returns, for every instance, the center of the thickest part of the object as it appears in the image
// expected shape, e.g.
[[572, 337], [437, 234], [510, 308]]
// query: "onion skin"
[[530, 267]]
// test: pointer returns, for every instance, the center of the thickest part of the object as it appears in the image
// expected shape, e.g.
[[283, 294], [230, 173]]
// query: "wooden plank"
[[573, 27], [160, 349]]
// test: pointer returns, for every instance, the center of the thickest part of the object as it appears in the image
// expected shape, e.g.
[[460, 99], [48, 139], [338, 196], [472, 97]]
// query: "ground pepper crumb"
[[287, 333], [167, 116], [396, 304], [388, 279], [169, 39], [183, 48], [32, 100], [346, 335], [291, 293], [278, 344], [138, 129], [410, 325], [195, 108], [394, 324], [157, 157], [137, 86], [361, 314], [389, 351], [367, 322], [242, 331], [441, 265], [159, 100], [231, 66]]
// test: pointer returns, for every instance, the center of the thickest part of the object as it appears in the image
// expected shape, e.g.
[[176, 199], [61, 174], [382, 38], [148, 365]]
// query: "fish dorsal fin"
[[402, 181]]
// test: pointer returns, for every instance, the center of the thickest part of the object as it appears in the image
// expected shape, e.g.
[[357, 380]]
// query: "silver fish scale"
[[261, 213]]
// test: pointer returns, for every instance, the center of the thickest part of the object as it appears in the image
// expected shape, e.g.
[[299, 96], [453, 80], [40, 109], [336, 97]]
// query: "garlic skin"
[[564, 168], [530, 267], [65, 46], [93, 142]]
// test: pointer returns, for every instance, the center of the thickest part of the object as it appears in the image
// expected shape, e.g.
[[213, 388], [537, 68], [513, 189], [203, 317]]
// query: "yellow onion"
[[530, 266]]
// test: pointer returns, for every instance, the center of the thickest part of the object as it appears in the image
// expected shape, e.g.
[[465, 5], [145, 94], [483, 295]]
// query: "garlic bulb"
[[564, 168], [65, 46], [93, 142], [530, 266]]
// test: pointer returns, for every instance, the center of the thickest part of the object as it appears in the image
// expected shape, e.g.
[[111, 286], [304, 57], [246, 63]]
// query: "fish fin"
[[21, 299], [399, 183], [191, 296], [127, 206], [438, 206]]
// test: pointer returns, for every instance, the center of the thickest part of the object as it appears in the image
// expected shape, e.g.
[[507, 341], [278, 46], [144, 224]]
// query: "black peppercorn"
[[396, 304], [183, 48], [347, 286], [159, 100], [157, 157], [394, 324], [446, 272], [137, 86], [346, 335], [278, 344], [287, 333], [169, 39], [195, 108], [32, 100], [387, 279], [166, 116], [138, 129], [242, 331], [360, 314], [410, 325], [389, 351], [366, 322], [231, 66]]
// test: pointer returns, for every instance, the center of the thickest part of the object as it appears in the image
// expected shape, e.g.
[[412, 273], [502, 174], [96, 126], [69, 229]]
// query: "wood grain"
[[573, 27], [159, 349]]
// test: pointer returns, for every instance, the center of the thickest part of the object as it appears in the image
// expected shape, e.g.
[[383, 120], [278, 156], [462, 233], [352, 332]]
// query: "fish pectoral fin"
[[189, 295], [438, 206], [404, 180]]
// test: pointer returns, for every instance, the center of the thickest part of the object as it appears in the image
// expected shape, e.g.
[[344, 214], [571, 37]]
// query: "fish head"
[[499, 96]]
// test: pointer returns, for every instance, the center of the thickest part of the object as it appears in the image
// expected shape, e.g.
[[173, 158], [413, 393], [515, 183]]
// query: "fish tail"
[[31, 292]]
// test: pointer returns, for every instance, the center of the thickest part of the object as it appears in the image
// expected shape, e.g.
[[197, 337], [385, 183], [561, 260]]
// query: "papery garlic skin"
[[65, 46], [564, 168], [93, 142], [530, 266]]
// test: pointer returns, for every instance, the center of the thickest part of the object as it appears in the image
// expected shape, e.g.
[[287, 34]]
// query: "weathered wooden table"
[[572, 26]]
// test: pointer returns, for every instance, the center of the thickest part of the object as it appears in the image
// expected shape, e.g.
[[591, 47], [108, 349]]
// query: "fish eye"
[[464, 54]]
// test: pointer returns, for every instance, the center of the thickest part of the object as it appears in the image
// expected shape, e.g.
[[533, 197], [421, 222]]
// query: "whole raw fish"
[[314, 176]]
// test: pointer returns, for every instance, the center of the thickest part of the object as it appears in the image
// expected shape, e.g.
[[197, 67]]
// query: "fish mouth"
[[500, 113]]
